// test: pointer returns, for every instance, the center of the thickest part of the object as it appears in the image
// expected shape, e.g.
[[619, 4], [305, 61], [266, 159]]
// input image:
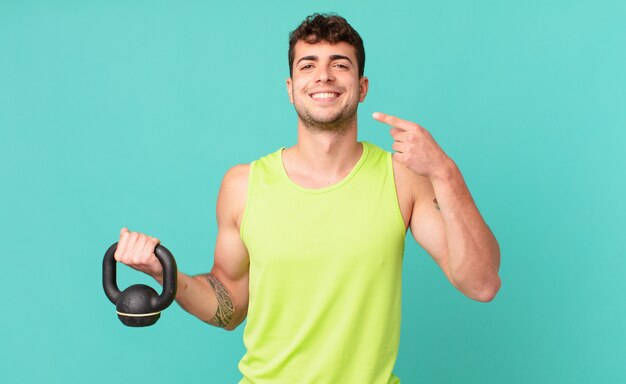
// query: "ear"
[[290, 89], [364, 84]]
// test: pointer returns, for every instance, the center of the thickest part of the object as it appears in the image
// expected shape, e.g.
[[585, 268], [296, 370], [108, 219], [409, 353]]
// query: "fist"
[[137, 251]]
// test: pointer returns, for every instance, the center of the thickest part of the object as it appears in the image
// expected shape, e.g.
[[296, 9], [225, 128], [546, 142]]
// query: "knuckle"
[[125, 258]]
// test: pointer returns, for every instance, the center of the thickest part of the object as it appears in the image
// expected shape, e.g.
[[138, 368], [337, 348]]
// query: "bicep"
[[231, 256], [428, 229], [231, 263]]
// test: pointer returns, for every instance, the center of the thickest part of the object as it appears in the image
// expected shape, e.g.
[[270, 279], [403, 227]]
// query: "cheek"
[[299, 86]]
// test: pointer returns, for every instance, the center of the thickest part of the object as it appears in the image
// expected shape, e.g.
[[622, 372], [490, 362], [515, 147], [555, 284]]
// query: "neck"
[[324, 154]]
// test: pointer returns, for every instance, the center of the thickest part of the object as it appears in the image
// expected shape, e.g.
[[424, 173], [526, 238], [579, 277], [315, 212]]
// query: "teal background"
[[123, 113]]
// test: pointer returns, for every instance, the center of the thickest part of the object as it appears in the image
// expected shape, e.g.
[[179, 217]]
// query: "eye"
[[306, 66], [341, 66]]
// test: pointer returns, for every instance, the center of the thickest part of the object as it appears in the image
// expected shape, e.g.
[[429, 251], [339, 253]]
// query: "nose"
[[325, 75]]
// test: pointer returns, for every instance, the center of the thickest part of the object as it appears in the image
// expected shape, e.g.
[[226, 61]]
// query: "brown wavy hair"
[[327, 27]]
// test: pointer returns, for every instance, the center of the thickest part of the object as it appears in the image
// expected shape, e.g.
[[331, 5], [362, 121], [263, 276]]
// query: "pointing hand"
[[415, 147]]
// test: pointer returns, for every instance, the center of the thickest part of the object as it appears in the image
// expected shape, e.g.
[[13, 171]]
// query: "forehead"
[[323, 49]]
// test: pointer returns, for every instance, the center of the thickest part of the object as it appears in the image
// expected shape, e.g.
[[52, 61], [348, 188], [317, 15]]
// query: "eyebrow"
[[332, 57]]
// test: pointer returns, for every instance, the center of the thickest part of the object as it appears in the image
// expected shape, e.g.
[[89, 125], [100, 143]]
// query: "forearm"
[[473, 252], [205, 297]]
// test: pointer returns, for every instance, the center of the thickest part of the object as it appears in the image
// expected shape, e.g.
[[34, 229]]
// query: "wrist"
[[158, 278], [446, 171]]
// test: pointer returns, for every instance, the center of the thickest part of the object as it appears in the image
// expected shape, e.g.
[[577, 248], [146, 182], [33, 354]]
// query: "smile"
[[324, 95]]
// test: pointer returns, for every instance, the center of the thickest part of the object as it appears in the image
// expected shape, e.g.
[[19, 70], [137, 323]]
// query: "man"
[[311, 238]]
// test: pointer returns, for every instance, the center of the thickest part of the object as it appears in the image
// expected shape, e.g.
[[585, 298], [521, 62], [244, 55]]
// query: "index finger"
[[393, 121]]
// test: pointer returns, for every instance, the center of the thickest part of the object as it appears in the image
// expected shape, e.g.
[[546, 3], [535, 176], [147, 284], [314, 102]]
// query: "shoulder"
[[236, 179], [410, 185], [233, 191], [235, 182], [237, 175]]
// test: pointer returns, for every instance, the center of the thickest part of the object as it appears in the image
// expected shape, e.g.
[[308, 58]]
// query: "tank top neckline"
[[329, 188]]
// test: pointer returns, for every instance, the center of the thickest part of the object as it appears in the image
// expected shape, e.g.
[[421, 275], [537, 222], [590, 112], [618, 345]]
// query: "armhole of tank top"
[[246, 208], [397, 209]]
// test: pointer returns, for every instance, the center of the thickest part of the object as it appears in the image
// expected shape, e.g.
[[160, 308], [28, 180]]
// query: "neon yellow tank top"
[[325, 275]]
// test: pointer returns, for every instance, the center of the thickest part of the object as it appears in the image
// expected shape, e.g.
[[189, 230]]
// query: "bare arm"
[[447, 223], [445, 219], [220, 297]]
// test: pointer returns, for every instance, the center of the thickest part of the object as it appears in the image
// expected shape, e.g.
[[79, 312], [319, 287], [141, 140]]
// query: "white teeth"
[[328, 95]]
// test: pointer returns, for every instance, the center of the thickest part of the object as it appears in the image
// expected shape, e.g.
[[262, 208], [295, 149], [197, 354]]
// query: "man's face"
[[325, 88]]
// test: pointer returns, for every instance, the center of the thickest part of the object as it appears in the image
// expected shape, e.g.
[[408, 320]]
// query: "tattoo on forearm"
[[225, 306], [436, 204]]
